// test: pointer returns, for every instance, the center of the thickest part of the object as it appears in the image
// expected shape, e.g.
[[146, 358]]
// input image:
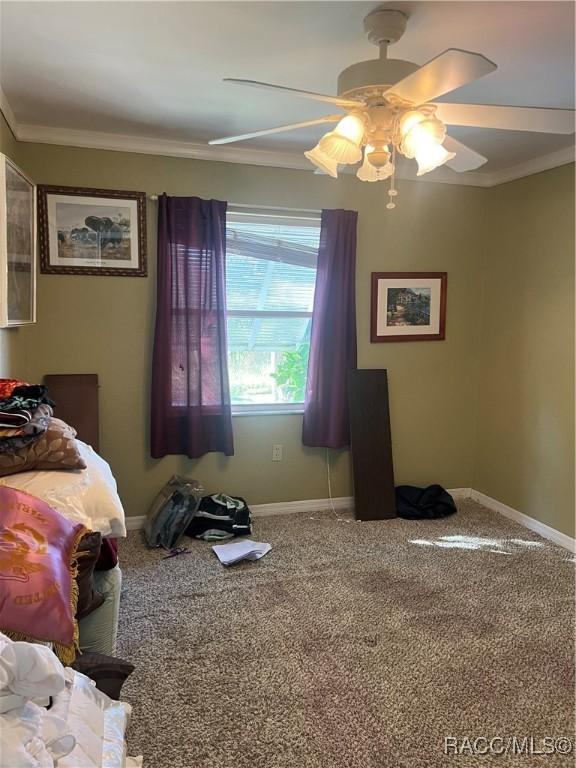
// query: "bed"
[[88, 496]]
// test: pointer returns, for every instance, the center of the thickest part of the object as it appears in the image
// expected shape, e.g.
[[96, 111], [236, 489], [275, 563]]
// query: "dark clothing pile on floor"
[[414, 503]]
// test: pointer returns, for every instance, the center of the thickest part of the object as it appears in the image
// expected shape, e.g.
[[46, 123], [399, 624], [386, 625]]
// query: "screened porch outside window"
[[270, 278]]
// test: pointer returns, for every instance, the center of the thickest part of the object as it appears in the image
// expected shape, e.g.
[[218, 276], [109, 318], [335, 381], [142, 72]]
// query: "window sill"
[[270, 412]]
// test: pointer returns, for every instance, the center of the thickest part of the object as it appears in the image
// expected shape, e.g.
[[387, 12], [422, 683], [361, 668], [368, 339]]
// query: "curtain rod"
[[265, 207]]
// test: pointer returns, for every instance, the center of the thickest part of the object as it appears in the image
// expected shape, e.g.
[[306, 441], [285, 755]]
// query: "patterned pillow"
[[56, 449], [38, 550]]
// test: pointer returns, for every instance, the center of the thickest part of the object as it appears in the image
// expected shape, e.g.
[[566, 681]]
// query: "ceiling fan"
[[390, 110]]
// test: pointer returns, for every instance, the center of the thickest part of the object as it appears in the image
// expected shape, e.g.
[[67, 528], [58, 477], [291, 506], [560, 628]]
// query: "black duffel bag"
[[423, 503], [220, 516]]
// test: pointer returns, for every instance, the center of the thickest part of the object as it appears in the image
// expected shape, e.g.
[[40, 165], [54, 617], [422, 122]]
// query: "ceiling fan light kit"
[[389, 110]]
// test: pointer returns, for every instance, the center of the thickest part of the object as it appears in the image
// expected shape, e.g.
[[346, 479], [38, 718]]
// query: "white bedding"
[[88, 496], [82, 729]]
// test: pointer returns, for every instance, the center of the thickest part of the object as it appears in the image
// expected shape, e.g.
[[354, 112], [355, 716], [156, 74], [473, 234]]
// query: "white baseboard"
[[546, 531], [307, 505], [460, 493], [347, 502], [315, 505], [291, 507], [135, 522]]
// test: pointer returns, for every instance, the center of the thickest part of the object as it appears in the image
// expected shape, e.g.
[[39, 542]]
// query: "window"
[[270, 279]]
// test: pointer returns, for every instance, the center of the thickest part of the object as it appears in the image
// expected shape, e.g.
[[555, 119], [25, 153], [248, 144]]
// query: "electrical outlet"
[[277, 451]]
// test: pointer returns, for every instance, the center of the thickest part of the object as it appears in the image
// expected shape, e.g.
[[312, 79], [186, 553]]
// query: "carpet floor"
[[351, 645]]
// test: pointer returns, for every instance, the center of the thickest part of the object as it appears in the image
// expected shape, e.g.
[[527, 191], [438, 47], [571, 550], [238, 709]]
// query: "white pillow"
[[88, 496]]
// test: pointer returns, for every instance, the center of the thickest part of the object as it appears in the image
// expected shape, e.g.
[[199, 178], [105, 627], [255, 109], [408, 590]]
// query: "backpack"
[[423, 503], [171, 512]]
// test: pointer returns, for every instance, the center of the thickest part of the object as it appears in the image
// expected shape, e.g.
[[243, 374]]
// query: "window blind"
[[270, 279]]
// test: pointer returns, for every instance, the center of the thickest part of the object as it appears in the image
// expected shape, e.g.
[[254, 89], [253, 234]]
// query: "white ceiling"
[[154, 69]]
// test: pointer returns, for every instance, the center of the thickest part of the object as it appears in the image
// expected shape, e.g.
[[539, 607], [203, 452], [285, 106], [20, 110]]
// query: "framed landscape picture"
[[92, 231], [17, 246], [408, 306]]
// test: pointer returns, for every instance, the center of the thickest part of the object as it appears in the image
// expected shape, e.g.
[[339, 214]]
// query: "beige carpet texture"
[[353, 645]]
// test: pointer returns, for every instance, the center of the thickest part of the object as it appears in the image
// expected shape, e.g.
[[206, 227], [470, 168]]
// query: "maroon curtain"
[[333, 338], [190, 408]]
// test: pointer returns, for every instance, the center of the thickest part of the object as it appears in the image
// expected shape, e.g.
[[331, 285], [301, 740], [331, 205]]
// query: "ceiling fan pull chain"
[[392, 192]]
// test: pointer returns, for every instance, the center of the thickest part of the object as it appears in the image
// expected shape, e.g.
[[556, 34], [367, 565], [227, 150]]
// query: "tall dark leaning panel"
[[371, 445], [76, 402]]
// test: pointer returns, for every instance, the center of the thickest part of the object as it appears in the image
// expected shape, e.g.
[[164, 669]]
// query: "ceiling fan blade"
[[346, 103], [537, 119], [466, 159], [278, 129], [445, 73]]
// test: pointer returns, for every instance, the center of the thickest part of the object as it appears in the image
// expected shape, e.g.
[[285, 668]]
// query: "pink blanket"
[[38, 591]]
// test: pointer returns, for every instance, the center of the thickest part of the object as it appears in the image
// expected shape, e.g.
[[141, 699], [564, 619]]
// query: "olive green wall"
[[525, 452], [105, 325], [10, 338], [492, 407]]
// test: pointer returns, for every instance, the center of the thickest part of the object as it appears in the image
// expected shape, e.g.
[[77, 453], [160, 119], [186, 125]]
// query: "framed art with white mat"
[[92, 231], [408, 306]]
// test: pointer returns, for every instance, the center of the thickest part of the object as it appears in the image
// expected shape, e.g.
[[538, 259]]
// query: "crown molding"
[[114, 142], [117, 142], [6, 110], [536, 165]]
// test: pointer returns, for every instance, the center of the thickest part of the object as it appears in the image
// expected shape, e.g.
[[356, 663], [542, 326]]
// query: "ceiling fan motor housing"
[[383, 27], [364, 76]]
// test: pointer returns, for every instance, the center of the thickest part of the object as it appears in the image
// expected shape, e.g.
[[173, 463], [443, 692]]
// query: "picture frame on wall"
[[17, 246], [92, 231], [408, 306]]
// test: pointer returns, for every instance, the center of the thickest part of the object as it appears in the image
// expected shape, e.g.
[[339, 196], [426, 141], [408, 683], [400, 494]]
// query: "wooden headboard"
[[76, 398]]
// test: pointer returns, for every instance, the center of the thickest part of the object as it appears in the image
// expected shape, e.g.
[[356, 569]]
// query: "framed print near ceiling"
[[92, 231], [408, 306], [17, 246]]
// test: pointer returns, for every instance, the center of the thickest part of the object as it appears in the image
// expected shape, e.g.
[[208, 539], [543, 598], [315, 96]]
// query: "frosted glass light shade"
[[323, 161], [432, 156], [369, 172], [343, 144], [340, 149], [422, 137], [418, 134], [351, 127], [409, 120]]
